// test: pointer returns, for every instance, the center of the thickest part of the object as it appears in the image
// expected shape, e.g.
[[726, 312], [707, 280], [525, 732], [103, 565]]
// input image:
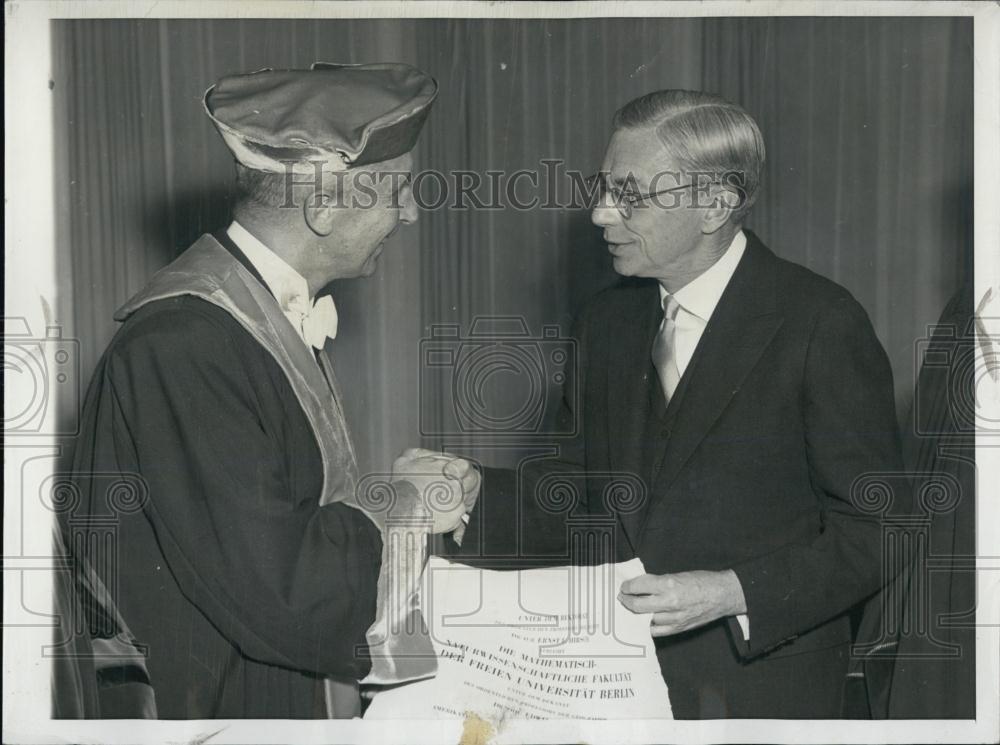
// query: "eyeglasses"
[[625, 200]]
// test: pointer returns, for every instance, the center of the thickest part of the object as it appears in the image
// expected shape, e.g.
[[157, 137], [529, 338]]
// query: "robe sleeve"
[[288, 582]]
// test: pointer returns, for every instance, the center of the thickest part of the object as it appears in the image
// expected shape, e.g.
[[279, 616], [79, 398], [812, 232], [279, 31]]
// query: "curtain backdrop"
[[867, 122], [868, 128]]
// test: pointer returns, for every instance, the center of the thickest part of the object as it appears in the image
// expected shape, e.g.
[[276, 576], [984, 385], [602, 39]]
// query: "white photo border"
[[30, 291]]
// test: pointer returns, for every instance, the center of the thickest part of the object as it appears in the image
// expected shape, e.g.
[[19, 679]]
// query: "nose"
[[605, 214], [408, 212]]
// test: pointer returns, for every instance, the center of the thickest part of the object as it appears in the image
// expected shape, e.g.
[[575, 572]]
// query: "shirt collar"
[[289, 287], [700, 296]]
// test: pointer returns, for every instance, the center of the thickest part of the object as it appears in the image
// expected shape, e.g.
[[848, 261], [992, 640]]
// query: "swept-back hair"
[[704, 133]]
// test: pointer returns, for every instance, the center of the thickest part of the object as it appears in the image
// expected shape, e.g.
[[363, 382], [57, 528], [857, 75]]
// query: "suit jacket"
[[787, 400]]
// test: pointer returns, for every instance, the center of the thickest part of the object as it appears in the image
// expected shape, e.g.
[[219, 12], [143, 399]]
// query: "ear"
[[724, 201], [320, 208]]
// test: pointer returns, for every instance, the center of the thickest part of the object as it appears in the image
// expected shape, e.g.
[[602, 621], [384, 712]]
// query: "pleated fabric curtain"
[[111, 180], [146, 174], [868, 129], [867, 123], [534, 96]]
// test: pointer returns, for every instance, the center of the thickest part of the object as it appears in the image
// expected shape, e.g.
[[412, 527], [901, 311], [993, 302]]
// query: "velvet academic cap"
[[342, 115]]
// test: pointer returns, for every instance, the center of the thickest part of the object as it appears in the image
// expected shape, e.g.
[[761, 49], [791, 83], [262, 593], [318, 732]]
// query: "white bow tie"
[[318, 322]]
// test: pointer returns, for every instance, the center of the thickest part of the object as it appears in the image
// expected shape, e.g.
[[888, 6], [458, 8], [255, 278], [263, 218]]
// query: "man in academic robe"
[[725, 402], [242, 561]]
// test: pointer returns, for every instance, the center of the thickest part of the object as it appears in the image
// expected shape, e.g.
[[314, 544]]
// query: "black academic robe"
[[787, 400], [242, 588], [935, 675], [927, 619]]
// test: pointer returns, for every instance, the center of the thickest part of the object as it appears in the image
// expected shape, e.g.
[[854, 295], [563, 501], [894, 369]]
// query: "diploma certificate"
[[532, 644]]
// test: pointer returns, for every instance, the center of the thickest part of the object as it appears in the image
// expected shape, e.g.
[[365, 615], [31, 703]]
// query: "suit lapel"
[[743, 324], [632, 382]]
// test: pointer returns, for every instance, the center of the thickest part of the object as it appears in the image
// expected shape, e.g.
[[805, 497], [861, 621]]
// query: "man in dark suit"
[[747, 394]]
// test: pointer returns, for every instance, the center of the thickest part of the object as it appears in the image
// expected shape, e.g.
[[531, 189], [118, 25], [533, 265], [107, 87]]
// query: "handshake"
[[438, 488]]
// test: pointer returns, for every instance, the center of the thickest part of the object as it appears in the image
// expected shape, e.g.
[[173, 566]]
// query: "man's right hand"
[[444, 487]]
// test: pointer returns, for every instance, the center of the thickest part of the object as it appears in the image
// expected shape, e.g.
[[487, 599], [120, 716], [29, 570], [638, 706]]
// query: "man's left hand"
[[685, 600]]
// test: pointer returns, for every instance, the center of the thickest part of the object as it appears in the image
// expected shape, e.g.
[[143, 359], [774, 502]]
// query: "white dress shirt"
[[289, 287], [696, 302]]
